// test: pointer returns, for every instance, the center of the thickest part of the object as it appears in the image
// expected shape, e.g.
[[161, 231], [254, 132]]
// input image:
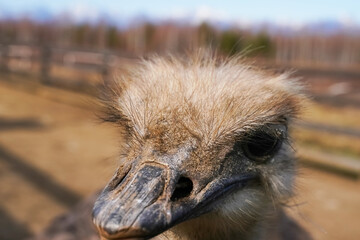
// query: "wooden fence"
[[40, 60]]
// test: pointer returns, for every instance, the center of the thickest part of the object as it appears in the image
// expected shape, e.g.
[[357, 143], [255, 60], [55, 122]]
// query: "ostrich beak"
[[148, 201]]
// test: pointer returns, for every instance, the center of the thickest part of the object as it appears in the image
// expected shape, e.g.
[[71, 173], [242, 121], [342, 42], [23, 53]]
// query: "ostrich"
[[206, 152], [206, 155]]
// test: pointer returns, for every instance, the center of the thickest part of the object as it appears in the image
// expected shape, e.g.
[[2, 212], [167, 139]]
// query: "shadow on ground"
[[10, 228], [7, 124]]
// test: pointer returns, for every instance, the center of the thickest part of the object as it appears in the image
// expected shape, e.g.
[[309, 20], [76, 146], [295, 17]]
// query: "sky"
[[249, 11]]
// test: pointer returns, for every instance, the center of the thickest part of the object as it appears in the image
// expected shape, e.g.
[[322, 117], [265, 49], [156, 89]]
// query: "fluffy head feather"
[[214, 100]]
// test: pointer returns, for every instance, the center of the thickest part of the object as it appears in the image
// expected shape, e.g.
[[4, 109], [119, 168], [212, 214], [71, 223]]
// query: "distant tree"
[[80, 34], [230, 42], [149, 31], [8, 31], [44, 34], [112, 38], [206, 35], [262, 45]]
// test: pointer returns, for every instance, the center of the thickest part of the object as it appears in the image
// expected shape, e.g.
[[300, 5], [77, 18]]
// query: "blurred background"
[[55, 54]]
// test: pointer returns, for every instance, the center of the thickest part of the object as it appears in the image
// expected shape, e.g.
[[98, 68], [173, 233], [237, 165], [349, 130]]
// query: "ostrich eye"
[[261, 145]]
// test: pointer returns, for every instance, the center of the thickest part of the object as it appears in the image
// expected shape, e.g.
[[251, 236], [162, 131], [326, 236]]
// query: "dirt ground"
[[53, 152]]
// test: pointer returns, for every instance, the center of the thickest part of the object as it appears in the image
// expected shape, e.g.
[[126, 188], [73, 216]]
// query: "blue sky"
[[279, 11]]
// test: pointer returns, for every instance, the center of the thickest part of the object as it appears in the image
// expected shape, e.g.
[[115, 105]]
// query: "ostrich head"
[[205, 141]]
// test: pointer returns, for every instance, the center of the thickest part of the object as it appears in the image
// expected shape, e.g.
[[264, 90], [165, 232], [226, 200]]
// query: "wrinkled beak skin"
[[155, 192]]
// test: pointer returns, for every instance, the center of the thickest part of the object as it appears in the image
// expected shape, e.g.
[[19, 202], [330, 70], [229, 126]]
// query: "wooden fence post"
[[105, 72], [45, 64], [4, 65]]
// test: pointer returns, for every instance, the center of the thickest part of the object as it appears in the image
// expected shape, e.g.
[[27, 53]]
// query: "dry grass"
[[345, 145], [330, 115], [347, 117], [65, 72]]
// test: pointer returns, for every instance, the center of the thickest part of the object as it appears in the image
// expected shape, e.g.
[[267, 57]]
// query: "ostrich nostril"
[[183, 188], [118, 180]]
